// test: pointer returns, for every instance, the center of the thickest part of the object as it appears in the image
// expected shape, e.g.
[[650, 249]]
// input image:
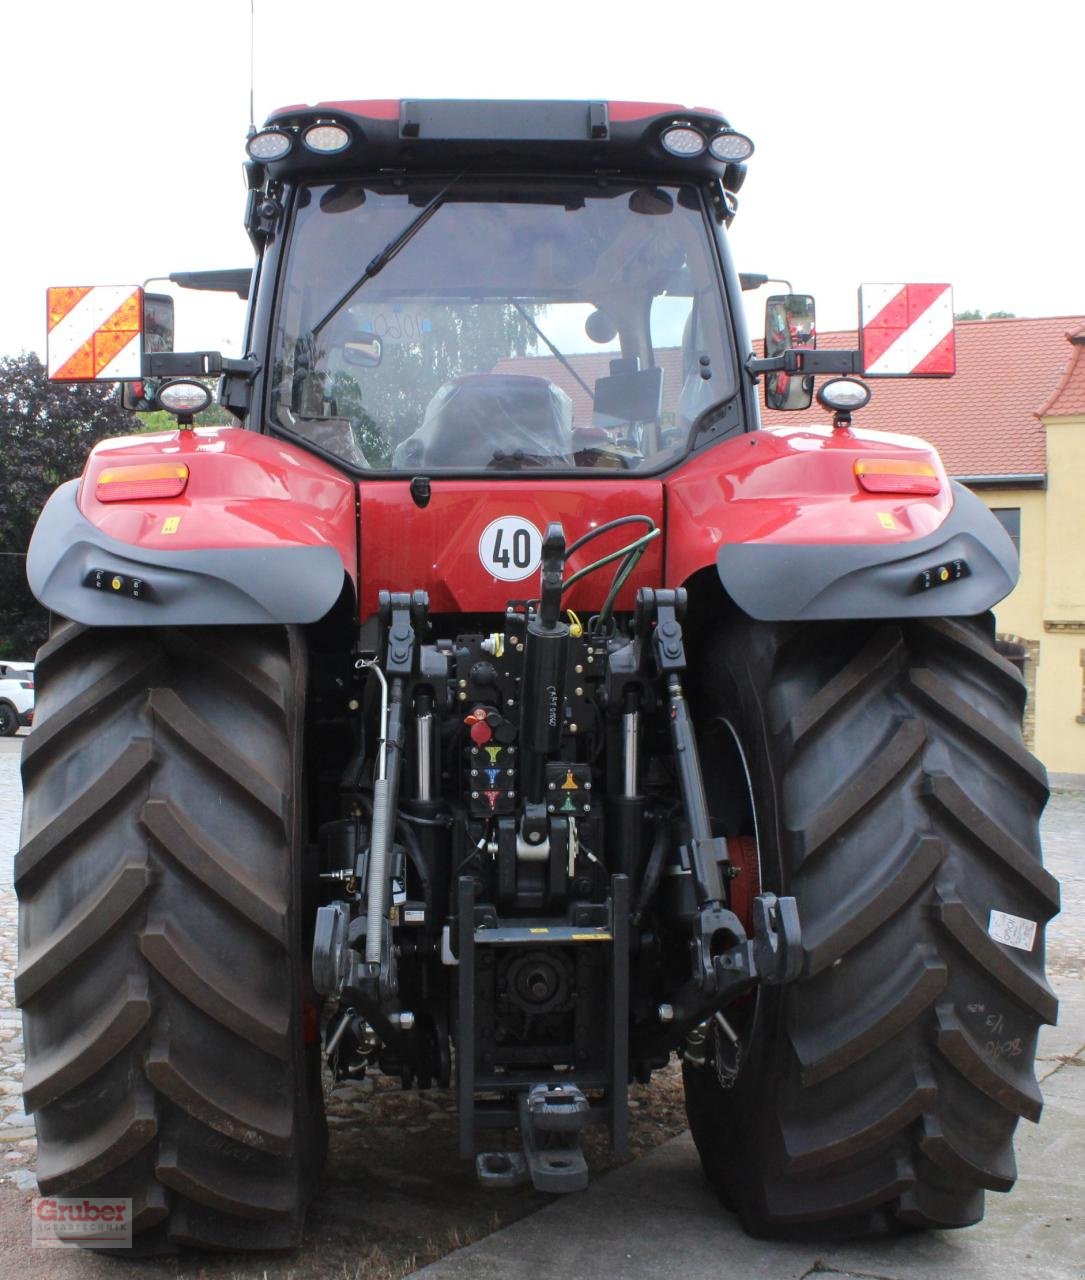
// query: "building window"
[[1010, 519]]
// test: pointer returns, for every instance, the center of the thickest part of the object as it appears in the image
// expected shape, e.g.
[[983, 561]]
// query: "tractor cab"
[[480, 287]]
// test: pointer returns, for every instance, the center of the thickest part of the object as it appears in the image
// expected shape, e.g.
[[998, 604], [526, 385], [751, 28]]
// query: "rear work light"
[[683, 140], [271, 144], [153, 480], [897, 475], [326, 138], [731, 147]]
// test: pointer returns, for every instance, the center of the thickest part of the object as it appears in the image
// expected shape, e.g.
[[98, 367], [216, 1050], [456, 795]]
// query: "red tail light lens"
[[897, 475], [153, 480]]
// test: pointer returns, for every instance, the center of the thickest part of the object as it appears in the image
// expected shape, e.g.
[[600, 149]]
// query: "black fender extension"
[[69, 556], [784, 582]]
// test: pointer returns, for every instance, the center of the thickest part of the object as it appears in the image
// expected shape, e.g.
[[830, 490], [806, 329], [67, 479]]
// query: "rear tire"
[[894, 798], [160, 974]]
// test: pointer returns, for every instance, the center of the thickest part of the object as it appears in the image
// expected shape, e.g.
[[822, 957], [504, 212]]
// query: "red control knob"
[[481, 733]]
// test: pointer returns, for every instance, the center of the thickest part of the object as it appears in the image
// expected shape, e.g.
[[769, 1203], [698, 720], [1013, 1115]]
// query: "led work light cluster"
[[325, 138], [685, 139]]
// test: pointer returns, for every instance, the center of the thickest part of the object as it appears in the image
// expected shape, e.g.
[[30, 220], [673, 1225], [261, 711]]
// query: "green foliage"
[[163, 420], [46, 431], [978, 315]]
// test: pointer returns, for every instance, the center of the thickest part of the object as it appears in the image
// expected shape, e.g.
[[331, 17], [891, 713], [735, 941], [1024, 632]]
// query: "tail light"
[[154, 480], [897, 475]]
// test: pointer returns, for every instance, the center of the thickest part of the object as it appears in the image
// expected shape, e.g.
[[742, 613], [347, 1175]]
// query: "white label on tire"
[[1012, 930], [510, 548]]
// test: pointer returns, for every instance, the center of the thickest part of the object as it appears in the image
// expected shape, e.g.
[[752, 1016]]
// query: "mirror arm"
[[195, 364], [797, 360], [235, 387]]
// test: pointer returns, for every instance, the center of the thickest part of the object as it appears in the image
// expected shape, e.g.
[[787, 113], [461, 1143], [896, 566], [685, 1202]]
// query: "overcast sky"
[[919, 141]]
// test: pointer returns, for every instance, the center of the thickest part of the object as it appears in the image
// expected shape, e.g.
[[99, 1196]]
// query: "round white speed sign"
[[510, 548]]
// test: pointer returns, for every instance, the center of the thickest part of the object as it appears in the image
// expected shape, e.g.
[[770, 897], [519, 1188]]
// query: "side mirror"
[[790, 324], [157, 322], [158, 330], [364, 351]]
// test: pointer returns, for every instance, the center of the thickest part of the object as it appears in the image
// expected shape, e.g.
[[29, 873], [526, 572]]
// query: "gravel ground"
[[17, 1143], [1063, 829], [394, 1179]]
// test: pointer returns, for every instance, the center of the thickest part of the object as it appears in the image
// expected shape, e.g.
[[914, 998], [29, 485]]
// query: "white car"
[[16, 696]]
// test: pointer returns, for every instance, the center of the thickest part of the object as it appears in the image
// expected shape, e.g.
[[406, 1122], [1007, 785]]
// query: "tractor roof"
[[511, 135]]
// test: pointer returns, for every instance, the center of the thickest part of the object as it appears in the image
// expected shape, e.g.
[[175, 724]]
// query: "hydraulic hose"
[[653, 870]]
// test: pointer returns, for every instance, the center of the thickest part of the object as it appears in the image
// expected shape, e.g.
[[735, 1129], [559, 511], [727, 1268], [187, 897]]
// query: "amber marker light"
[[897, 475], [152, 480]]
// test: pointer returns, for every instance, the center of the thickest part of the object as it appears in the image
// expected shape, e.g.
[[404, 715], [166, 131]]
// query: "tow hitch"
[[552, 1118]]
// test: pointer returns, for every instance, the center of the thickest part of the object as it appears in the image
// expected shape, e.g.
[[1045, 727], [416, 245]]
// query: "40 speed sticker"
[[510, 548]]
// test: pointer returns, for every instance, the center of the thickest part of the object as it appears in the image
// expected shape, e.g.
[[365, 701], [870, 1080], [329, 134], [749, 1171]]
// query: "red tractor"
[[497, 702]]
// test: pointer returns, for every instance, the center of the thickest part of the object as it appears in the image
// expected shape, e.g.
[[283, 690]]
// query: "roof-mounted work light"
[[683, 140], [270, 144], [326, 138], [731, 147]]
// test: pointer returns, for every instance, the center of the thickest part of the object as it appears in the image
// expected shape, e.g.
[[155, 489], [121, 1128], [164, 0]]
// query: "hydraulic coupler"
[[546, 654]]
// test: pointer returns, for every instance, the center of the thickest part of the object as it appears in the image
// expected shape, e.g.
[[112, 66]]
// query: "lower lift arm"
[[724, 961]]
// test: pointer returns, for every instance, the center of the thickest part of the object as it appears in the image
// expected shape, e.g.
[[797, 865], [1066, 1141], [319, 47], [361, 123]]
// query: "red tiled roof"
[[1069, 397], [983, 420]]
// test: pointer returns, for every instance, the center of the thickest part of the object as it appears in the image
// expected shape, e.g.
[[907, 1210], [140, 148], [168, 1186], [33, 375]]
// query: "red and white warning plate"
[[94, 333], [906, 330]]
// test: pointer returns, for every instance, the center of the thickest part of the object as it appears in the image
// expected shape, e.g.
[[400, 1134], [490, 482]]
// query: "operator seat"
[[492, 420]]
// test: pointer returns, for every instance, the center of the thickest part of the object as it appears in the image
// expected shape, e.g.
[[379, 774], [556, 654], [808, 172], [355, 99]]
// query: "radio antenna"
[[252, 63]]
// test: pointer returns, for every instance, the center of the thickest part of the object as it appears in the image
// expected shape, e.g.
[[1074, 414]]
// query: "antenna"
[[252, 63]]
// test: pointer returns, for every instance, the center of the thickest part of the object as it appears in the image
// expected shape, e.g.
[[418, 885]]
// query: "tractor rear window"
[[498, 325]]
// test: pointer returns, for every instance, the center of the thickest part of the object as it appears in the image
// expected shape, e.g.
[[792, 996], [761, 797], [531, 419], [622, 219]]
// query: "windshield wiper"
[[398, 241]]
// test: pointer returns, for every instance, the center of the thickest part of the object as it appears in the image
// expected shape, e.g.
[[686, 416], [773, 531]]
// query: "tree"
[[46, 431], [978, 315]]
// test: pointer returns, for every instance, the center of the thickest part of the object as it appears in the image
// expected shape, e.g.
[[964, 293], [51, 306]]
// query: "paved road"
[[656, 1215]]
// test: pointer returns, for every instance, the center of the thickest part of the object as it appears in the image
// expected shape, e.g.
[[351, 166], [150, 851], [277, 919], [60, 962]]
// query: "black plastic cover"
[[780, 582], [503, 120], [177, 588]]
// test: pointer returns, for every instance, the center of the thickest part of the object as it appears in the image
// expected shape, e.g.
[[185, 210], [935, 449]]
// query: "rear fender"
[[794, 536], [263, 532]]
